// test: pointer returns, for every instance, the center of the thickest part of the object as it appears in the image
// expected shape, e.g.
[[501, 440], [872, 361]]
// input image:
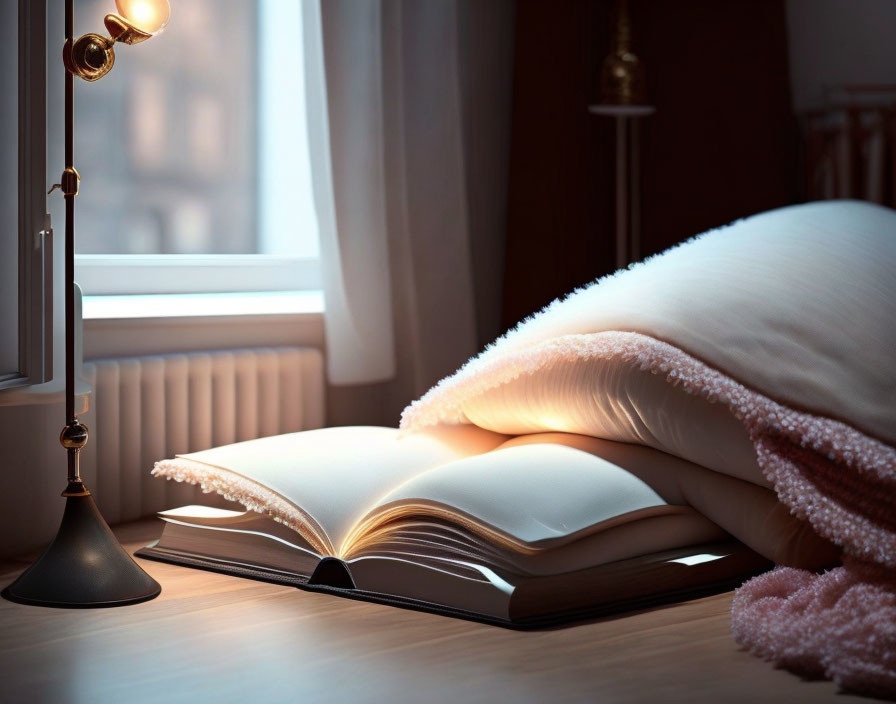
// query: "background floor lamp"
[[624, 97], [85, 566]]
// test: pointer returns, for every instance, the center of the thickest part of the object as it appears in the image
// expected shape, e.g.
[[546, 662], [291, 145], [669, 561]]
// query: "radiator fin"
[[150, 408]]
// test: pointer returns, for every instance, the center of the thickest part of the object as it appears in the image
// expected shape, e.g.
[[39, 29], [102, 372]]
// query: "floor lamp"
[[624, 98], [85, 566]]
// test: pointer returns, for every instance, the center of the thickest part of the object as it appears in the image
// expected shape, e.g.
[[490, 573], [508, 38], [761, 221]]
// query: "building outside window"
[[193, 150]]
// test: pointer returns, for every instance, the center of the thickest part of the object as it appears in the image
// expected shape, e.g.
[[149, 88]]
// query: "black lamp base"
[[85, 566]]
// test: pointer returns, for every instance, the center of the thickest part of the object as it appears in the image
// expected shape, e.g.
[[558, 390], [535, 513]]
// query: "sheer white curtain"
[[388, 157], [343, 82]]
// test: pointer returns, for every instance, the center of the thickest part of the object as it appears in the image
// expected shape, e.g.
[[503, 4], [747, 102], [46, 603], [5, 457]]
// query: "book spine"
[[332, 572]]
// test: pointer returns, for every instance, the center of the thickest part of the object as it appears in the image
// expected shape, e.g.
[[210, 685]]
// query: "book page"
[[538, 490], [537, 495], [335, 474]]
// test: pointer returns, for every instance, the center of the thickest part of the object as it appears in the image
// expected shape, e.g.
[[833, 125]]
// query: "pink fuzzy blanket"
[[841, 624], [783, 324]]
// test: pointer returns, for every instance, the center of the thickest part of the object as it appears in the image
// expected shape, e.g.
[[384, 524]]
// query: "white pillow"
[[611, 397], [785, 319], [798, 304]]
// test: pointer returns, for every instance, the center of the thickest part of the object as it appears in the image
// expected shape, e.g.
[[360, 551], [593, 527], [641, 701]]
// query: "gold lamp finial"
[[622, 73], [92, 56]]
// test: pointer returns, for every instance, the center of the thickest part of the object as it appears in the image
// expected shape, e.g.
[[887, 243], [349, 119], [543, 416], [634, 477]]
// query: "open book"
[[460, 521]]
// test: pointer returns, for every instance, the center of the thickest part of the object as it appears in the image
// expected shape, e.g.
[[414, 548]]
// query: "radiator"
[[150, 408]]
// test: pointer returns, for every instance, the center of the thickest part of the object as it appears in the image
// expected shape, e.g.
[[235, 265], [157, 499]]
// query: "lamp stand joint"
[[76, 488], [70, 182]]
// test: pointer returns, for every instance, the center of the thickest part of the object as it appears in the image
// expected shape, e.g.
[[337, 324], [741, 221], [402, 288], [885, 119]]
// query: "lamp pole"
[[74, 435], [84, 566]]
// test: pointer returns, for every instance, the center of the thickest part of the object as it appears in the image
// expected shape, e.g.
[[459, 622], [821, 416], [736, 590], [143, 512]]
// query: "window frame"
[[35, 235], [272, 270]]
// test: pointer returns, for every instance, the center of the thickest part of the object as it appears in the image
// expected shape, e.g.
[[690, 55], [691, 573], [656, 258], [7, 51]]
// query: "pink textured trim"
[[254, 496], [828, 473]]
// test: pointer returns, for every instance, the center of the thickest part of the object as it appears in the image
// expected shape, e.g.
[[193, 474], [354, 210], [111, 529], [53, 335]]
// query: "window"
[[25, 236], [193, 155], [9, 176]]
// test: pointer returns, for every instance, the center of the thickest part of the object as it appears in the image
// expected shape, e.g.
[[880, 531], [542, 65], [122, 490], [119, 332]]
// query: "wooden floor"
[[221, 639]]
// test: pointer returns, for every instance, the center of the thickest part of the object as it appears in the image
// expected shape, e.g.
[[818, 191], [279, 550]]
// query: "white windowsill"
[[138, 325], [123, 326], [183, 305], [52, 391]]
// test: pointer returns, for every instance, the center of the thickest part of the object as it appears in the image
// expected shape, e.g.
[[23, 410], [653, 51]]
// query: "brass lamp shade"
[[122, 31], [92, 56], [147, 16]]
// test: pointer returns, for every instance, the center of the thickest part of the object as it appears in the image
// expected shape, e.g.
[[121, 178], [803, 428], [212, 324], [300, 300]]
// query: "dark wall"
[[722, 144], [559, 199]]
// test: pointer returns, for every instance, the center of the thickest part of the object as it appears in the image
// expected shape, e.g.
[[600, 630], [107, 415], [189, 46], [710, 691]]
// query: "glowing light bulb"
[[149, 16]]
